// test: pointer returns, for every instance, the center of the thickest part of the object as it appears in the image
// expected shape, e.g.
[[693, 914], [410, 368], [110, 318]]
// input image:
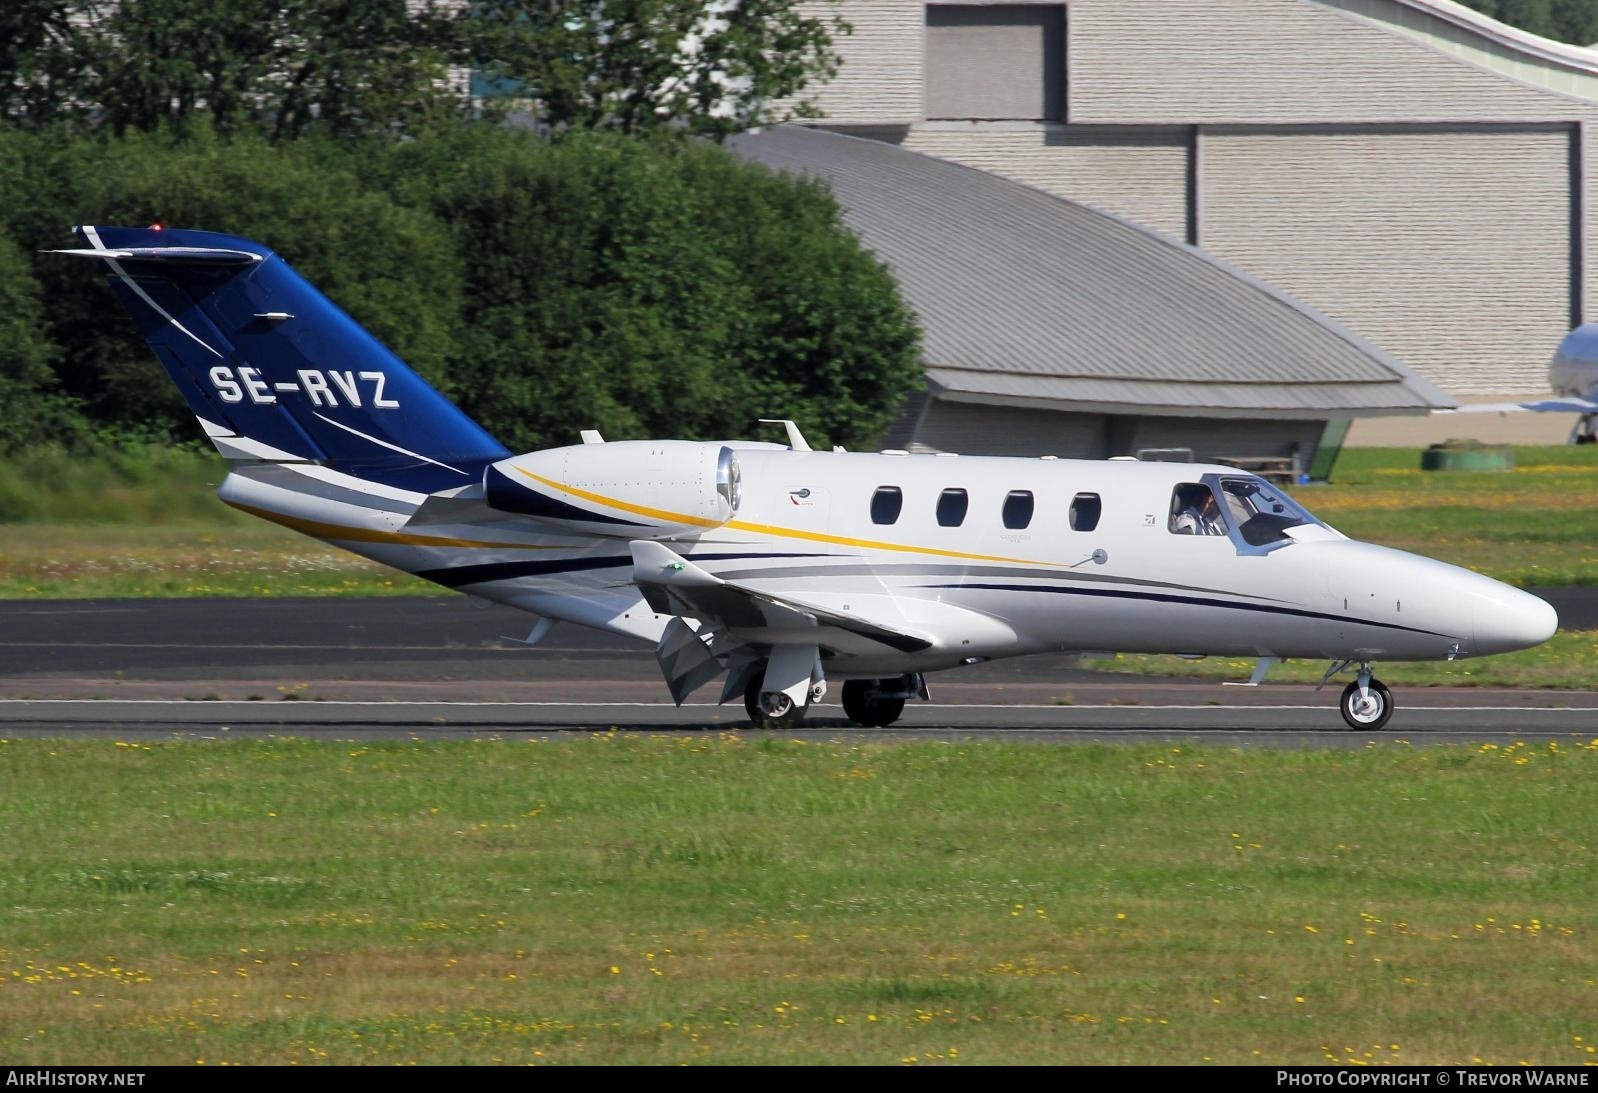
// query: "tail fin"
[[275, 371]]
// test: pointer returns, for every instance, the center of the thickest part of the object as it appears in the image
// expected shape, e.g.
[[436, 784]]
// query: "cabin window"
[[1017, 509], [952, 505], [886, 504], [1194, 511], [1085, 510]]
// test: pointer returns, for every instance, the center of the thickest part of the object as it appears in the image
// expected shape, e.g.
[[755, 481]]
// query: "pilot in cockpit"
[[1195, 512]]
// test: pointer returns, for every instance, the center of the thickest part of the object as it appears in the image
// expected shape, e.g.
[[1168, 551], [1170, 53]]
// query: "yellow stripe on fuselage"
[[638, 510], [772, 529], [873, 544]]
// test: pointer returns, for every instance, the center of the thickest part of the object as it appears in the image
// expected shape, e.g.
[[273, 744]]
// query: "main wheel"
[[864, 707], [770, 709], [1370, 713]]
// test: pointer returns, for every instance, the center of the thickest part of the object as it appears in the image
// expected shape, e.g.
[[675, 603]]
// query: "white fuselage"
[[803, 532]]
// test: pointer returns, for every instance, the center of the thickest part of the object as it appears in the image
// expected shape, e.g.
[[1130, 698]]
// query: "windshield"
[[1261, 513]]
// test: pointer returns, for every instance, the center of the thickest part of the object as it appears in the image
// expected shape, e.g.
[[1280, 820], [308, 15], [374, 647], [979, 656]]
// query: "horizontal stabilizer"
[[463, 505], [191, 256]]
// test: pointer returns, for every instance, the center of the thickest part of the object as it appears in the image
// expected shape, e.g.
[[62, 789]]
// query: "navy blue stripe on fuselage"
[[457, 576], [1193, 601], [507, 495]]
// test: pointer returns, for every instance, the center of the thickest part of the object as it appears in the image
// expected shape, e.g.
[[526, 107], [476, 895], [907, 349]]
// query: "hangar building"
[[1050, 327], [1412, 170]]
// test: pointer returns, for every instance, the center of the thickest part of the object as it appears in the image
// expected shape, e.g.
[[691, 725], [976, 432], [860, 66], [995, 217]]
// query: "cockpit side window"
[[1194, 511]]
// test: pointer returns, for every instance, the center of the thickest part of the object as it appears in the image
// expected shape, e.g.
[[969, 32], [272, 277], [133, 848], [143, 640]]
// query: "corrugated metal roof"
[[1022, 294]]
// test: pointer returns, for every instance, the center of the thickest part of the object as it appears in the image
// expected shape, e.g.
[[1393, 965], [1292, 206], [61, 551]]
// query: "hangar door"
[[1448, 247]]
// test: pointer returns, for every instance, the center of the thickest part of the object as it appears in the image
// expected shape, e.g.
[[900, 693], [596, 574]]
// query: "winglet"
[[656, 563]]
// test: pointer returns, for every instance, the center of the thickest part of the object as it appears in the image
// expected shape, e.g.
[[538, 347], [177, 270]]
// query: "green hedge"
[[647, 288]]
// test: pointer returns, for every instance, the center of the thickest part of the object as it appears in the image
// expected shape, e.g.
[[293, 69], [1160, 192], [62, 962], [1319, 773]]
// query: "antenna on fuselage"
[[796, 439]]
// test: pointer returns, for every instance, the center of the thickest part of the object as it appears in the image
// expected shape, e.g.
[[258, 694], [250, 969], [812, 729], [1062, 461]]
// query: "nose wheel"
[[1366, 702], [1366, 707]]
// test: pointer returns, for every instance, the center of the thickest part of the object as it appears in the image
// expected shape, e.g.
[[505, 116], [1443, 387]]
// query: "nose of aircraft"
[[1506, 618]]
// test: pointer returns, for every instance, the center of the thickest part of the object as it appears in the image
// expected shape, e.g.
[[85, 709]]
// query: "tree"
[[658, 288], [647, 287], [637, 65], [28, 408], [39, 45], [1574, 21], [275, 66], [393, 268]]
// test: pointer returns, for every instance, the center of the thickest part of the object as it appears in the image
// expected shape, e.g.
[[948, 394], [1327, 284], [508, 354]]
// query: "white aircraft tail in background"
[[779, 568]]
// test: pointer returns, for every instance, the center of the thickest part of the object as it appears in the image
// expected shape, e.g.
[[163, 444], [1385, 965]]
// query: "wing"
[[672, 585], [1568, 404], [732, 617]]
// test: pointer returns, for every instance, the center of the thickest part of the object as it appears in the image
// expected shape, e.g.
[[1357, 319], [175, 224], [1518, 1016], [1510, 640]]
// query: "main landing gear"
[[1366, 702], [775, 709], [875, 703]]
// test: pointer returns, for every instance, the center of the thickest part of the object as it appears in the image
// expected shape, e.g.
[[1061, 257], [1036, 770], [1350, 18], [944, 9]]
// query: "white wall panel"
[[1451, 250]]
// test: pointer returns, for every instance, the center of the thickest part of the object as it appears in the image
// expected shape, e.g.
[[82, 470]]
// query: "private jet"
[[778, 568], [1573, 375]]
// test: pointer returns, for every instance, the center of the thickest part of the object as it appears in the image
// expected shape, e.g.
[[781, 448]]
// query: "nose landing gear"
[[1366, 703]]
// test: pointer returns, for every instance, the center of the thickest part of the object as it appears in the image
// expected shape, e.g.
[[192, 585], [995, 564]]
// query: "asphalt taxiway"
[[440, 667]]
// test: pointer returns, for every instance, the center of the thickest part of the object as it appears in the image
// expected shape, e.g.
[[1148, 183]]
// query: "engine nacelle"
[[631, 489]]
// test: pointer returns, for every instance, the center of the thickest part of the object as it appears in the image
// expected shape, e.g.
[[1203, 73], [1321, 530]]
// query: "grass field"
[[1535, 525], [621, 899], [247, 558], [146, 522]]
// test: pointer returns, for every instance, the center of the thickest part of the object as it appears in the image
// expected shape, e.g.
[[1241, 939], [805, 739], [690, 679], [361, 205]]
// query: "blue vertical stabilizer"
[[275, 371]]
